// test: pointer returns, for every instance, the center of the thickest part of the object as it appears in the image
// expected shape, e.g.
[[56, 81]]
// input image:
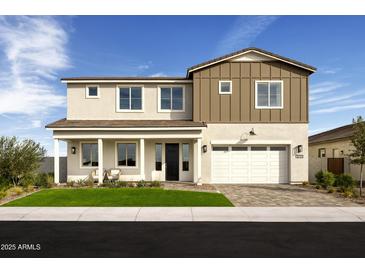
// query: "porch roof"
[[64, 123]]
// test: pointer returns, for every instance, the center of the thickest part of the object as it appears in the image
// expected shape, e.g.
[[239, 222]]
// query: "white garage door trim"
[[250, 164]]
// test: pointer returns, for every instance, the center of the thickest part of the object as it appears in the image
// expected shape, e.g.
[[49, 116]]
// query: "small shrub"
[[331, 190], [325, 179], [89, 182], [318, 187], [70, 183], [16, 190], [349, 193], [141, 183], [29, 188], [2, 194], [155, 184], [345, 182], [121, 184], [319, 178]]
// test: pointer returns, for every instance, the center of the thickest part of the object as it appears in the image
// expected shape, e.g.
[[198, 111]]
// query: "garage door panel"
[[257, 164]]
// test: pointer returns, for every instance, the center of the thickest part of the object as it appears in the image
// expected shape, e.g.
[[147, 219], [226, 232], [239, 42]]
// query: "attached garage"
[[250, 164]]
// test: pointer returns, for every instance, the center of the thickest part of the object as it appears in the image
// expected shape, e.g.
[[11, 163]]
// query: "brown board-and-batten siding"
[[210, 106]]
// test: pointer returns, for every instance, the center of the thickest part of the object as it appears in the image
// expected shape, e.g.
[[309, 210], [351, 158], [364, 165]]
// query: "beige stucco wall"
[[81, 108], [338, 149], [287, 134], [75, 171]]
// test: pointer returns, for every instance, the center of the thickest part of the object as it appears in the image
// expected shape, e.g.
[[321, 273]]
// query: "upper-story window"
[[225, 87], [92, 92], [171, 99], [129, 98], [269, 94]]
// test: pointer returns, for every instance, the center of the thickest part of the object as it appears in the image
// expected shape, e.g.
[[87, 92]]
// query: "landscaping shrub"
[[2, 194], [331, 190], [70, 183], [305, 183], [155, 184], [16, 190], [345, 182], [28, 188], [319, 178], [349, 193], [325, 179]]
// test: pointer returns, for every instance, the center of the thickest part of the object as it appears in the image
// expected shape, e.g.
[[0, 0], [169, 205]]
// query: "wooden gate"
[[335, 165]]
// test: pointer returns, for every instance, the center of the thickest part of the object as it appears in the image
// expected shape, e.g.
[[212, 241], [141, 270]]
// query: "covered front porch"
[[145, 154]]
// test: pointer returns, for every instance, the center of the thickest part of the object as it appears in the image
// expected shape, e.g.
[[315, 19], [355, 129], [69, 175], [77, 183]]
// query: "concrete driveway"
[[280, 195]]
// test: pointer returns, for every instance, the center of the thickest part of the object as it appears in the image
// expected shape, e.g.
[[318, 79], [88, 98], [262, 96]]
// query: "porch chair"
[[113, 174]]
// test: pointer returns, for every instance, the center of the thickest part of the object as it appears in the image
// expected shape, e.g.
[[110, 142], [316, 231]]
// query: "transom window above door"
[[171, 99], [129, 98], [269, 94]]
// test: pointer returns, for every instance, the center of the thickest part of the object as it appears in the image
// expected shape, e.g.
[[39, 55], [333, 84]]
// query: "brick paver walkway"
[[280, 195]]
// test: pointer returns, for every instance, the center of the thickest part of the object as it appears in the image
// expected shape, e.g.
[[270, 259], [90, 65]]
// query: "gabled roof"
[[248, 50], [340, 133]]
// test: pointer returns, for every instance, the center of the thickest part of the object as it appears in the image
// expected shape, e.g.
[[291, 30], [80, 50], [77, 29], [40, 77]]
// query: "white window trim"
[[230, 87], [282, 94], [118, 109], [87, 92], [80, 156], [116, 154], [159, 98]]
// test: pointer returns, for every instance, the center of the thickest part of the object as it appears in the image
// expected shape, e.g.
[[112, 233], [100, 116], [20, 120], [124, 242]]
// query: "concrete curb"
[[184, 214]]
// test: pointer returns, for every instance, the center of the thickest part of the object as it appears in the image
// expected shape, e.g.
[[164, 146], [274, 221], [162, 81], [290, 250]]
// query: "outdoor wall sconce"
[[205, 148], [73, 150], [252, 132], [299, 148]]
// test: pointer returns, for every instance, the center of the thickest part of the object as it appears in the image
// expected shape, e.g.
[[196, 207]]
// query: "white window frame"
[[116, 154], [91, 96], [230, 87], [118, 109], [159, 98], [282, 94], [80, 156]]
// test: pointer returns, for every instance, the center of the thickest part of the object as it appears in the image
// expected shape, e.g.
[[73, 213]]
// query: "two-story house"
[[240, 118]]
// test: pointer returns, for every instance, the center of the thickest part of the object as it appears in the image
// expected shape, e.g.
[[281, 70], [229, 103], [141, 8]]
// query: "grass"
[[121, 197]]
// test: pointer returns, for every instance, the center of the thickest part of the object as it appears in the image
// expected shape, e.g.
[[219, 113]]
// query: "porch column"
[[197, 161], [141, 150], [100, 161], [56, 156]]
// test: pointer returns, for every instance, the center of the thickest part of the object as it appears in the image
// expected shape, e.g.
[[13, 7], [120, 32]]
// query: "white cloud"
[[357, 105], [325, 87], [244, 31], [158, 74], [35, 50], [143, 67], [36, 123], [329, 70], [336, 98]]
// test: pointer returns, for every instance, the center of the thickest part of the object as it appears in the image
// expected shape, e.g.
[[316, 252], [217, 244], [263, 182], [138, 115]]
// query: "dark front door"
[[172, 162], [335, 165]]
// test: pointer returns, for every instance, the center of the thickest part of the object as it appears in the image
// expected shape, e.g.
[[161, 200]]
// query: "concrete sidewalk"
[[185, 214]]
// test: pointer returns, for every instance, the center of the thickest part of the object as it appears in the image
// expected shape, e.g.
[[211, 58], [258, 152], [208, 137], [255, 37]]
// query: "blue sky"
[[36, 51]]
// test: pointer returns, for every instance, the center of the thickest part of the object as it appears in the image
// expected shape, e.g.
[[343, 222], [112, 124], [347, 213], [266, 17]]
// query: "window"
[[129, 99], [225, 87], [185, 157], [239, 148], [158, 160], [126, 154], [171, 99], [321, 153], [269, 94], [258, 148], [277, 148], [92, 92], [220, 148], [89, 154]]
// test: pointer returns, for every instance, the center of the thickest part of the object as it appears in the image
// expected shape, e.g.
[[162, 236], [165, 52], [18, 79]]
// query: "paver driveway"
[[279, 195]]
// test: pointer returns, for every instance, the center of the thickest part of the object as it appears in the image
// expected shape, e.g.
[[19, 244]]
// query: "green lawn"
[[121, 197]]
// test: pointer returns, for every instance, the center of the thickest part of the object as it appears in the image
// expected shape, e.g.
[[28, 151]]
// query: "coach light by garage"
[[205, 148], [299, 148], [73, 150]]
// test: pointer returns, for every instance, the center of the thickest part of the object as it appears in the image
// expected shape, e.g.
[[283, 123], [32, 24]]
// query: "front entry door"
[[172, 162]]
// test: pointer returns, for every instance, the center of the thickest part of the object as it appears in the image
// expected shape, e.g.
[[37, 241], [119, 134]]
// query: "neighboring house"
[[240, 118], [329, 151]]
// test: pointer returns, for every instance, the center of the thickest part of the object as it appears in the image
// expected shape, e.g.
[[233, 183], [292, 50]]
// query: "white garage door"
[[250, 164]]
